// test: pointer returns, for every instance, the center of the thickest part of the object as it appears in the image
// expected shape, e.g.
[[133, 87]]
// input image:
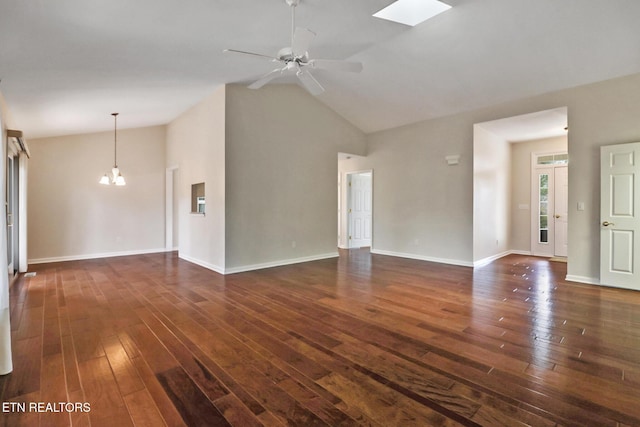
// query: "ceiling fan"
[[296, 59]]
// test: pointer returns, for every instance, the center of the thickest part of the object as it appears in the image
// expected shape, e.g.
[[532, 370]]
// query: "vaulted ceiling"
[[66, 65]]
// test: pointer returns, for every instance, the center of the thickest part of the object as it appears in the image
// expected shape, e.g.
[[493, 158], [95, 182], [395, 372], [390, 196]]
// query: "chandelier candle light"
[[116, 177]]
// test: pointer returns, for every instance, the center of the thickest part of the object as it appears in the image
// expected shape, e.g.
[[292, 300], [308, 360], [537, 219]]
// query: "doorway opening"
[[506, 203], [549, 204], [359, 206], [355, 202]]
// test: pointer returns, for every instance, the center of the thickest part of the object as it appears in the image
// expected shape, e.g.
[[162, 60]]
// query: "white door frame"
[[13, 208], [538, 248], [345, 231], [561, 211], [168, 208]]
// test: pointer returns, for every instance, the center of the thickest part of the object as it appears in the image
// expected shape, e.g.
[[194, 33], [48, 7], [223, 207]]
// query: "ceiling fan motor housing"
[[292, 3], [286, 55]]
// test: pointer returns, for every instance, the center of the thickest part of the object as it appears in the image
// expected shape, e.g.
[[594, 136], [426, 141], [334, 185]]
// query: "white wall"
[[282, 147], [417, 197], [196, 145], [521, 153], [71, 216], [491, 195]]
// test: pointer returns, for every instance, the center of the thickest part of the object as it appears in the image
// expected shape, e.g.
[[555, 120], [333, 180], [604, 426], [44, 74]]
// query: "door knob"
[[607, 223], [557, 216]]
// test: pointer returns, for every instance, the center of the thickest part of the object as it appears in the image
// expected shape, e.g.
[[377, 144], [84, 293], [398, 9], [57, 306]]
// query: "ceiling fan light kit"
[[295, 59]]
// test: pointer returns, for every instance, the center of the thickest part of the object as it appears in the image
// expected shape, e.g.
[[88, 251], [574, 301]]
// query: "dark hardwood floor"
[[361, 340]]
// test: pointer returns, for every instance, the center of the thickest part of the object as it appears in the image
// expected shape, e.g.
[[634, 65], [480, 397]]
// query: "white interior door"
[[360, 209], [620, 215], [549, 205], [561, 210]]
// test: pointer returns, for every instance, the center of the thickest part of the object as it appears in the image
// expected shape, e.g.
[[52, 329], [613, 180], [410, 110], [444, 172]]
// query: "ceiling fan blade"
[[309, 82], [250, 53], [301, 40], [266, 78], [335, 65]]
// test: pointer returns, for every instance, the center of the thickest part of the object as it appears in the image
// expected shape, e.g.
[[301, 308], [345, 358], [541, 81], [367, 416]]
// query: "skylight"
[[412, 12]]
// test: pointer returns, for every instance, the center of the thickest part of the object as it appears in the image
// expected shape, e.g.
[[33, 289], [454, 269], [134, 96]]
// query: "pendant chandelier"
[[116, 177]]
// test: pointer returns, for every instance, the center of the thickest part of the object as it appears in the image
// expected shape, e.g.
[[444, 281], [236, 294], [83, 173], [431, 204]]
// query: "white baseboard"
[[489, 260], [478, 263], [423, 258], [516, 252], [209, 266], [95, 256], [279, 263], [582, 279]]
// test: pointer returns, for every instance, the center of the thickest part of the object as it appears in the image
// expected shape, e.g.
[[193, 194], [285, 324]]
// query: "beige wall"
[[71, 216], [196, 146], [491, 195], [282, 168], [278, 165], [422, 208], [425, 210], [521, 153]]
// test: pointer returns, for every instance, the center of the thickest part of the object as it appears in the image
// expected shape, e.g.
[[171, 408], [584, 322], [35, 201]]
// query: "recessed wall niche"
[[197, 198]]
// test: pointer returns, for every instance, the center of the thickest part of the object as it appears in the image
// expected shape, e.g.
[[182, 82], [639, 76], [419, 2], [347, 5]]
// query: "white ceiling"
[[527, 127], [66, 65]]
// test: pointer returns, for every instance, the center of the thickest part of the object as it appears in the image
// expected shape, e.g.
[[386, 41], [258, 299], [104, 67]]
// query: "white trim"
[[423, 258], [23, 263], [488, 260], [517, 252], [279, 263], [94, 256], [582, 279], [168, 208], [213, 267]]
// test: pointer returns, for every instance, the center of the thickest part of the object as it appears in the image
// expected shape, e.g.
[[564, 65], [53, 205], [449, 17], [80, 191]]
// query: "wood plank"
[[101, 391], [125, 373], [53, 390], [170, 414], [143, 410], [191, 403], [359, 340], [235, 412], [25, 378]]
